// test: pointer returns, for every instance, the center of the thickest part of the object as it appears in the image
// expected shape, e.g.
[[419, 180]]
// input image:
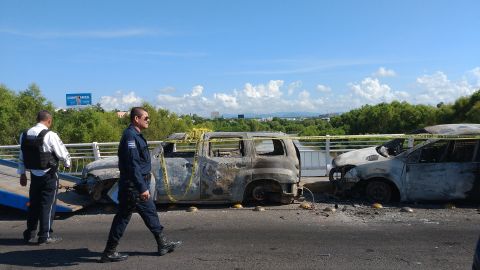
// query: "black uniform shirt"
[[133, 160]]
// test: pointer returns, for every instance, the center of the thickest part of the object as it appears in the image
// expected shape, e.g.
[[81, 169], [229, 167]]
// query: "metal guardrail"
[[81, 153], [316, 156]]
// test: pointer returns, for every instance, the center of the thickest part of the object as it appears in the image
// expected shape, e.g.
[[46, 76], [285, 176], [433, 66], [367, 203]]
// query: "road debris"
[[329, 209], [426, 221], [377, 206], [306, 206], [259, 208], [192, 209], [237, 206], [406, 209]]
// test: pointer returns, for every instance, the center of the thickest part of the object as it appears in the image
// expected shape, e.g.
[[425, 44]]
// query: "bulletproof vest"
[[34, 157]]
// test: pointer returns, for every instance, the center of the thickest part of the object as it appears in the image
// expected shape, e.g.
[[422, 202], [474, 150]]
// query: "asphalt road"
[[282, 237]]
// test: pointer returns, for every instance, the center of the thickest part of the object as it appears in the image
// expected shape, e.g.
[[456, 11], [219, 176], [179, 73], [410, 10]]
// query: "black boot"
[[111, 255], [165, 246], [28, 236]]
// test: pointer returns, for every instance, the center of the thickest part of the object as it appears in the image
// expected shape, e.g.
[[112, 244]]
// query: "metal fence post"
[[328, 160], [410, 142], [96, 151]]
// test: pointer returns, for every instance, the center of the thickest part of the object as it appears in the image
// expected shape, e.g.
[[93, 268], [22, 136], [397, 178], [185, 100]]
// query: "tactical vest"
[[34, 157]]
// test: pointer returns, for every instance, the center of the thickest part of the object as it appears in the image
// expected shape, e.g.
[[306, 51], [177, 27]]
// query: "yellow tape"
[[334, 137], [165, 178], [192, 175]]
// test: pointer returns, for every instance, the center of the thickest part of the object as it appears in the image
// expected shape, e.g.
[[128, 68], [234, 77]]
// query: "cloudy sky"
[[244, 56]]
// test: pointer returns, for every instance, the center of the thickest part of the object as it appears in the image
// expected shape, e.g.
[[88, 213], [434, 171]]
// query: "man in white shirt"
[[41, 150]]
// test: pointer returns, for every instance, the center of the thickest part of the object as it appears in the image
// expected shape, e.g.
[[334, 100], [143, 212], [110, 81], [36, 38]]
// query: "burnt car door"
[[179, 182], [224, 166], [463, 169], [271, 160], [441, 170]]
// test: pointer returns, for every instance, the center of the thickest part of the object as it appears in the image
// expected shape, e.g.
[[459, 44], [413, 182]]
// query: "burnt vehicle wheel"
[[259, 193], [378, 191], [96, 188], [263, 191]]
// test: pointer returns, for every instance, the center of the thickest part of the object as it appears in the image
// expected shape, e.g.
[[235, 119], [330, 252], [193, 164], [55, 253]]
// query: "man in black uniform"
[[41, 149], [134, 165]]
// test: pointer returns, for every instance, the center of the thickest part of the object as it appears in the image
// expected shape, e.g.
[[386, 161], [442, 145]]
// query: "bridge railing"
[[81, 153], [316, 156]]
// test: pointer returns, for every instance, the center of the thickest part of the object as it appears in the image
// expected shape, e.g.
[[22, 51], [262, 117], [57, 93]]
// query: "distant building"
[[267, 119], [214, 115], [326, 119], [241, 116], [121, 114]]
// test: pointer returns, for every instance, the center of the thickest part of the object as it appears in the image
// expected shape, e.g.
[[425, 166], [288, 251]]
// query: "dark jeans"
[[43, 197], [128, 201]]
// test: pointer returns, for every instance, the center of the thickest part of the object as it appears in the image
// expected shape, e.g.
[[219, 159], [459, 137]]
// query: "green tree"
[[19, 112]]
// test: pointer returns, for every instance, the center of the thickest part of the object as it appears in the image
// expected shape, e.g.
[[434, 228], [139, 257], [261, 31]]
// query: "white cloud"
[[293, 86], [437, 88], [272, 90], [323, 88], [193, 102], [474, 74], [120, 101], [278, 96], [304, 95], [383, 72], [197, 91], [261, 98], [226, 101], [371, 90]]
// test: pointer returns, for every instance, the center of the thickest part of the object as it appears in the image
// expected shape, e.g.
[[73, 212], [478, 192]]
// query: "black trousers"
[[128, 201], [43, 197]]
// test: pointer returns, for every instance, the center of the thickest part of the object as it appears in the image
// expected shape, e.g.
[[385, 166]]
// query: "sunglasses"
[[146, 118]]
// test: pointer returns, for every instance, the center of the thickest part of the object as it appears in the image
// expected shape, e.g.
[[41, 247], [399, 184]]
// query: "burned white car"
[[435, 169], [221, 167]]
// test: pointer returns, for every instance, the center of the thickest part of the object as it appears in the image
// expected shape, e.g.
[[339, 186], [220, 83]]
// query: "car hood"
[[107, 163], [358, 157]]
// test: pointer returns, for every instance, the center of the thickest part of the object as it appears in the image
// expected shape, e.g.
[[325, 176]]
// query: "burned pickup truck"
[[221, 167], [435, 169]]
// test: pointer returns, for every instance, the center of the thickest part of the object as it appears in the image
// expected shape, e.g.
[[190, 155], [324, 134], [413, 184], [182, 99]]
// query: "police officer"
[[41, 150], [134, 165]]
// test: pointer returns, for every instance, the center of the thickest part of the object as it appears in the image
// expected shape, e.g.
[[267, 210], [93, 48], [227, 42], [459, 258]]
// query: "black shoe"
[[28, 236], [168, 247], [113, 257], [165, 246], [49, 240]]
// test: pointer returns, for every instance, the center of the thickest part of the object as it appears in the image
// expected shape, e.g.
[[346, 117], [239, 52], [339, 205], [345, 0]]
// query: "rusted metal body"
[[220, 167], [436, 169]]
